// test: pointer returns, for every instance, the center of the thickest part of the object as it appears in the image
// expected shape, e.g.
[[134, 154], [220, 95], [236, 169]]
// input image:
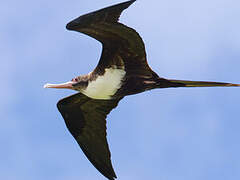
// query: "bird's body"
[[122, 70], [106, 85]]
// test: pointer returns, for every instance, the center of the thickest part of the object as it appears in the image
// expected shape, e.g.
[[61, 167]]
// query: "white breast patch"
[[106, 85]]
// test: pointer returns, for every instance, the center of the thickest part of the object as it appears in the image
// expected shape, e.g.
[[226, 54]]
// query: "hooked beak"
[[67, 85]]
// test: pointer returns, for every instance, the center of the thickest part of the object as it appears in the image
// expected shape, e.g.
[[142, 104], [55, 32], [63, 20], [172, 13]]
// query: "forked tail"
[[184, 83]]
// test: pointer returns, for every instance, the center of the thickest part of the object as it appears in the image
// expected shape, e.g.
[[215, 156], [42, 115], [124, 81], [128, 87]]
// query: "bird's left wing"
[[122, 45], [85, 118]]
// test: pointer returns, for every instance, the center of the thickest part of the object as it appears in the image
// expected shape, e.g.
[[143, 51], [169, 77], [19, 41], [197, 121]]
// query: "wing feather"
[[122, 45], [86, 120]]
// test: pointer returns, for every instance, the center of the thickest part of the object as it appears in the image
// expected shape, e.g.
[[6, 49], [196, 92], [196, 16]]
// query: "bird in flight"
[[122, 70]]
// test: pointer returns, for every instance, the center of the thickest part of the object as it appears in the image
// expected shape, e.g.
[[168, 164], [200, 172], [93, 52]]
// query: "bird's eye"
[[75, 79]]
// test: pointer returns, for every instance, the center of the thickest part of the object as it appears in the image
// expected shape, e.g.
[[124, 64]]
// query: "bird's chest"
[[105, 86]]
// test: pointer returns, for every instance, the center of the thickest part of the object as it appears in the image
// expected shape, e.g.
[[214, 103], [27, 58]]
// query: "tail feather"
[[185, 83]]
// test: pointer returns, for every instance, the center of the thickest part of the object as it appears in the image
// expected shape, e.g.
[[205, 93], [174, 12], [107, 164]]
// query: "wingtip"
[[68, 27], [113, 177], [87, 18], [71, 25], [129, 2]]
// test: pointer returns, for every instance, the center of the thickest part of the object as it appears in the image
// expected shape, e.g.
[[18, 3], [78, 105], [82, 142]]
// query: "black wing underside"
[[122, 45], [86, 120]]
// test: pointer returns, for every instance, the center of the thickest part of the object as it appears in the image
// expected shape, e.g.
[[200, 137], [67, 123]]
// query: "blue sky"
[[168, 134]]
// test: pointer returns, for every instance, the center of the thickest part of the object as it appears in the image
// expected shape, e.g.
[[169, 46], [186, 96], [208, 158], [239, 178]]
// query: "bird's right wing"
[[86, 120]]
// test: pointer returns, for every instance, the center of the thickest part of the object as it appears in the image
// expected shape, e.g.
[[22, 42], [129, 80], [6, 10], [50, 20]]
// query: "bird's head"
[[77, 83]]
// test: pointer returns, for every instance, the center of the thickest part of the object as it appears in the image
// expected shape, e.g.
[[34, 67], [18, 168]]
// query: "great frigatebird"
[[122, 70]]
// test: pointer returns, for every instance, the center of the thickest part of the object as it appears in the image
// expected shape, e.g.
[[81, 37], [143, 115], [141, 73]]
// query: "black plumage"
[[123, 49]]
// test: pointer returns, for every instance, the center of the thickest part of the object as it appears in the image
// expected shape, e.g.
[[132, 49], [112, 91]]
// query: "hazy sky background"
[[165, 134]]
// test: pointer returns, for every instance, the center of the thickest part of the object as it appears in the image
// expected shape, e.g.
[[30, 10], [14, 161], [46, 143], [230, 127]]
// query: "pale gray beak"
[[67, 85]]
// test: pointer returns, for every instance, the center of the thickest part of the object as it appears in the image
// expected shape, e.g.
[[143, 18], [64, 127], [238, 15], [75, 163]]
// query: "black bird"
[[122, 70]]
